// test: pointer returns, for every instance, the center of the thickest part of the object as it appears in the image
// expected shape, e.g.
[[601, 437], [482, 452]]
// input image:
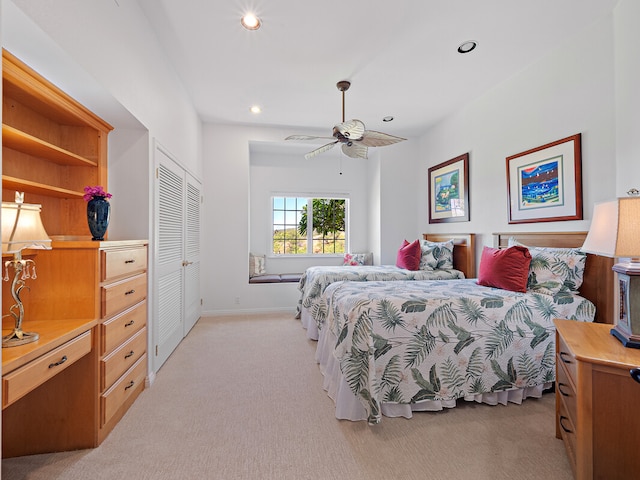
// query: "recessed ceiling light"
[[388, 118], [467, 46], [255, 109], [250, 22]]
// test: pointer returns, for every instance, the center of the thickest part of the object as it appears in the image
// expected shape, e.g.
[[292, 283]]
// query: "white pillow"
[[256, 265]]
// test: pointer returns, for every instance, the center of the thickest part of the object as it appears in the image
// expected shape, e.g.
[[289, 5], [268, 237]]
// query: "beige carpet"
[[241, 398]]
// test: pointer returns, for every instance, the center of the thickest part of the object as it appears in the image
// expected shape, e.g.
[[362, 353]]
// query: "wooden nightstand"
[[597, 401]]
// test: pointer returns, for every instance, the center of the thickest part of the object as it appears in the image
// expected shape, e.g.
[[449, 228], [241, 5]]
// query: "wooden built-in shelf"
[[22, 185], [25, 143]]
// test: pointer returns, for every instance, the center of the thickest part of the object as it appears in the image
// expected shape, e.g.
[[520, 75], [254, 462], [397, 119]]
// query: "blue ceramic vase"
[[98, 210]]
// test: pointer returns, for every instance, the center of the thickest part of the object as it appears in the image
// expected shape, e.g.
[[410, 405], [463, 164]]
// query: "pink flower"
[[92, 192]]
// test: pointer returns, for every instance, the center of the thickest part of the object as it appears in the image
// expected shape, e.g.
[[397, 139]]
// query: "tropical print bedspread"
[[316, 279], [403, 342]]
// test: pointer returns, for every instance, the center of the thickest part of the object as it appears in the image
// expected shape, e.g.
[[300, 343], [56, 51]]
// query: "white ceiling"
[[400, 55]]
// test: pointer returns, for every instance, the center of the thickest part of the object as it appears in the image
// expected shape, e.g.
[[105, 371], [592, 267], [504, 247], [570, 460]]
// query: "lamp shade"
[[22, 228], [615, 229]]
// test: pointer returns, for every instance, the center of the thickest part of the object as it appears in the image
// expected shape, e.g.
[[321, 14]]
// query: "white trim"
[[245, 311]]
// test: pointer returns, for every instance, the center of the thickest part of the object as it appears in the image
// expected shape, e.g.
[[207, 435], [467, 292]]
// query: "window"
[[292, 216]]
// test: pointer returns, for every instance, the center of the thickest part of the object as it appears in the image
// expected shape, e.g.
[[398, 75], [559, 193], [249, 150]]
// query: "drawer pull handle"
[[131, 384], [130, 292], [563, 354], [564, 394], [129, 261], [130, 354], [562, 417], [635, 374], [128, 324], [59, 362]]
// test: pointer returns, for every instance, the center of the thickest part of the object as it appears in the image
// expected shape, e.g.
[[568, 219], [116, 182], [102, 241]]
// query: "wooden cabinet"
[[123, 332], [49, 400], [597, 401], [52, 147]]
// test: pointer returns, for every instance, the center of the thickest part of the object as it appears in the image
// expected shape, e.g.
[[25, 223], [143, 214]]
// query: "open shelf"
[[22, 185], [25, 143]]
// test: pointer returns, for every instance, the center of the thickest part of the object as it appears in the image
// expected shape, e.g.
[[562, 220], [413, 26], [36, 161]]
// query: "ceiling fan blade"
[[319, 150], [307, 137], [371, 138], [351, 129], [355, 150]]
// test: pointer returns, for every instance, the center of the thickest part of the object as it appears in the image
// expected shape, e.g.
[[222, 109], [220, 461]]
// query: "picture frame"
[[449, 191], [544, 184]]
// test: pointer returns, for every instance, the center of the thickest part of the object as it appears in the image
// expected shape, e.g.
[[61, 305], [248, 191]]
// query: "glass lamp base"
[[18, 337]]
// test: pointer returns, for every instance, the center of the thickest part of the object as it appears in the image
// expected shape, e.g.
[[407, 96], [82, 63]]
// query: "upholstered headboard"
[[464, 250], [598, 284]]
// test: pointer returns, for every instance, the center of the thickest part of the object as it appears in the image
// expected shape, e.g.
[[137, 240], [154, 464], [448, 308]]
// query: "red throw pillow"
[[409, 255], [507, 269]]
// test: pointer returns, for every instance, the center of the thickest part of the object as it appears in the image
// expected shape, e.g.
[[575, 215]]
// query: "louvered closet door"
[[169, 328], [193, 306]]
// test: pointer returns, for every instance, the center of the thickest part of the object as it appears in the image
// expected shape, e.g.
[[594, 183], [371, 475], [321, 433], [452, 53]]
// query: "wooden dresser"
[[101, 286], [123, 329], [597, 401]]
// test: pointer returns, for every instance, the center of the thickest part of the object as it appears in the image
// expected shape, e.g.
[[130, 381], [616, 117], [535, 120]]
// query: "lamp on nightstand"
[[615, 232], [21, 228]]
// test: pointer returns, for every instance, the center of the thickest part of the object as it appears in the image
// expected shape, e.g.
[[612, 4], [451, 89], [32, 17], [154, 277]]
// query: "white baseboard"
[[218, 313]]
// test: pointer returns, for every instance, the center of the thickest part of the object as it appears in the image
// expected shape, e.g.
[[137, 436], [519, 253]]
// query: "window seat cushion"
[[276, 278]]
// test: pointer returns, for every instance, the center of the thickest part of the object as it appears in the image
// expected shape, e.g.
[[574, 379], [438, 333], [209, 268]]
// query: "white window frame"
[[309, 197]]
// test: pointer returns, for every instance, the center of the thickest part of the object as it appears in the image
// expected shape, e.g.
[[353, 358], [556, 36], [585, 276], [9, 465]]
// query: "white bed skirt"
[[309, 324], [348, 407]]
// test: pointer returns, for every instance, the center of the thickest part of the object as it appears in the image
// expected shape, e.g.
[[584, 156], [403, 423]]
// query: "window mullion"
[[309, 225]]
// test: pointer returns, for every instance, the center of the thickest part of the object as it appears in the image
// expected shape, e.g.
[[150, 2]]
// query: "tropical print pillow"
[[555, 270], [355, 259], [436, 255]]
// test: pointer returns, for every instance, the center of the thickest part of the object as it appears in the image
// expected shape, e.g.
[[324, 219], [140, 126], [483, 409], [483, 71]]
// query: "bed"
[[311, 307], [392, 348]]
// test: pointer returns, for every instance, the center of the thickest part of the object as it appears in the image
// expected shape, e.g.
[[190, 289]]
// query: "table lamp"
[[21, 228], [615, 232]]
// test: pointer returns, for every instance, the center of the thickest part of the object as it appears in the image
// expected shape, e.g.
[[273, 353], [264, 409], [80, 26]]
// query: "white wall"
[[569, 91], [128, 173], [276, 173], [398, 207], [225, 267], [627, 79]]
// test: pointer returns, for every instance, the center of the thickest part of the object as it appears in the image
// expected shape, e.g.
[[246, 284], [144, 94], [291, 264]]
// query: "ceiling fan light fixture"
[[250, 21], [467, 46], [352, 134]]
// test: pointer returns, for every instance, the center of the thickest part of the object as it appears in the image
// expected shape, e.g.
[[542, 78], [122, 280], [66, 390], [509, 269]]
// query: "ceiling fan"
[[351, 134]]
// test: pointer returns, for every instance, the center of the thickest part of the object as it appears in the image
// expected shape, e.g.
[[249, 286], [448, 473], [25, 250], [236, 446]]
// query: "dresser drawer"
[[117, 329], [568, 432], [567, 358], [567, 390], [123, 389], [120, 295], [122, 262], [20, 382], [120, 360]]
